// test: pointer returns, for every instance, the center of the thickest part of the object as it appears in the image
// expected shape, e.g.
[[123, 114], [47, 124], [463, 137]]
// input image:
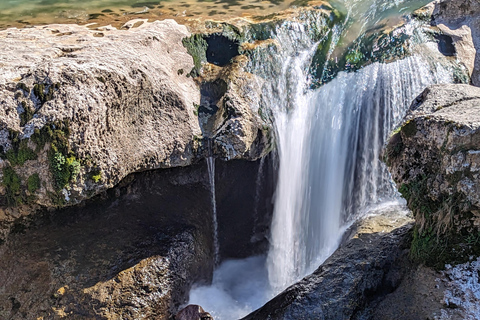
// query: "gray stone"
[[366, 266], [460, 19], [434, 160]]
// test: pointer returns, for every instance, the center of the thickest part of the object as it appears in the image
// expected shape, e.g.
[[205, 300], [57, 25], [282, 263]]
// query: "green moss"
[[436, 241], [44, 92], [409, 129], [20, 152], [195, 111], [55, 133], [354, 57], [436, 251], [74, 167], [12, 184], [64, 166], [96, 175], [197, 47], [26, 115], [33, 183], [22, 86]]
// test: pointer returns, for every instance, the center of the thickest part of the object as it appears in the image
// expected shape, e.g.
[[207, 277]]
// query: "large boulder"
[[82, 108], [459, 20], [435, 160], [367, 266]]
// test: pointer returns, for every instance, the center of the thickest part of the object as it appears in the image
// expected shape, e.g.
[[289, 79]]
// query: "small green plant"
[[96, 175], [44, 92], [33, 183], [22, 86], [197, 47], [195, 111], [64, 169], [19, 153], [12, 184], [74, 167], [26, 115]]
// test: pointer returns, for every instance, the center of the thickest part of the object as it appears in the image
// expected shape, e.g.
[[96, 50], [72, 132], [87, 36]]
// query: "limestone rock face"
[[112, 101], [460, 19], [82, 108], [435, 161]]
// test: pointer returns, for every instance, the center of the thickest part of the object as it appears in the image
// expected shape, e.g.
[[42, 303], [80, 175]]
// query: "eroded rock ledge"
[[435, 161], [81, 109], [459, 21]]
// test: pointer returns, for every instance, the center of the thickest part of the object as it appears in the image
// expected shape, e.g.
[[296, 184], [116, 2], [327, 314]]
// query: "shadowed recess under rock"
[[134, 250]]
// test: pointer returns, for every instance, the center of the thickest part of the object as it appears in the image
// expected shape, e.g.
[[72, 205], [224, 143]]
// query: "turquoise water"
[[18, 13]]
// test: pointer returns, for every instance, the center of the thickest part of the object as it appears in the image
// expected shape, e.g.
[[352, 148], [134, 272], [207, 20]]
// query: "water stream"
[[330, 169], [211, 180], [329, 142]]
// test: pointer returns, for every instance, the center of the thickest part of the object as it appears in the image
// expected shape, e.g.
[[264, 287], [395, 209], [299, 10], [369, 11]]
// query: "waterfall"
[[258, 189], [329, 143], [330, 169], [211, 179]]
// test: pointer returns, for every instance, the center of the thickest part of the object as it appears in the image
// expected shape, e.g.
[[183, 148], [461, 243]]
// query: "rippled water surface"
[[31, 12]]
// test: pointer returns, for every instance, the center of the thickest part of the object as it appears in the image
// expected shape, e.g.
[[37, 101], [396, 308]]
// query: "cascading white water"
[[329, 143], [330, 168]]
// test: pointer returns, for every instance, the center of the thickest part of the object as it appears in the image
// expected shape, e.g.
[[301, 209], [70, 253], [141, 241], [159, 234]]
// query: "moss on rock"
[[197, 47], [33, 183]]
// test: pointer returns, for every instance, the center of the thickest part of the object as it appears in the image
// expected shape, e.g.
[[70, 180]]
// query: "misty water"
[[329, 142]]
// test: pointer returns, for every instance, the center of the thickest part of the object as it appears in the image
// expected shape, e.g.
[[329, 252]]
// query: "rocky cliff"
[[83, 108], [459, 21], [434, 159]]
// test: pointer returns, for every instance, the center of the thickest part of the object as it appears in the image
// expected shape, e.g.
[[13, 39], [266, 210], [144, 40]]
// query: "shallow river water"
[[17, 13]]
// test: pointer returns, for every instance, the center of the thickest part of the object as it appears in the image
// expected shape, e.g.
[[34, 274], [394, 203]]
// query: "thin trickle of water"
[[258, 191], [211, 178]]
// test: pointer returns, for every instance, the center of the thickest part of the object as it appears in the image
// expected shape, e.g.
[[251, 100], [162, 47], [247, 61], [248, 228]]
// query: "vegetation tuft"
[[196, 46]]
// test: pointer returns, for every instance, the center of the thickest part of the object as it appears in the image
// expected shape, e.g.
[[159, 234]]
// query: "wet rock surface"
[[193, 312], [131, 253], [365, 267], [434, 161]]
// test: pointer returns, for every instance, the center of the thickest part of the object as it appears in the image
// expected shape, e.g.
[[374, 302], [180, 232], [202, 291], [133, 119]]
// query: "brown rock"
[[193, 312]]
